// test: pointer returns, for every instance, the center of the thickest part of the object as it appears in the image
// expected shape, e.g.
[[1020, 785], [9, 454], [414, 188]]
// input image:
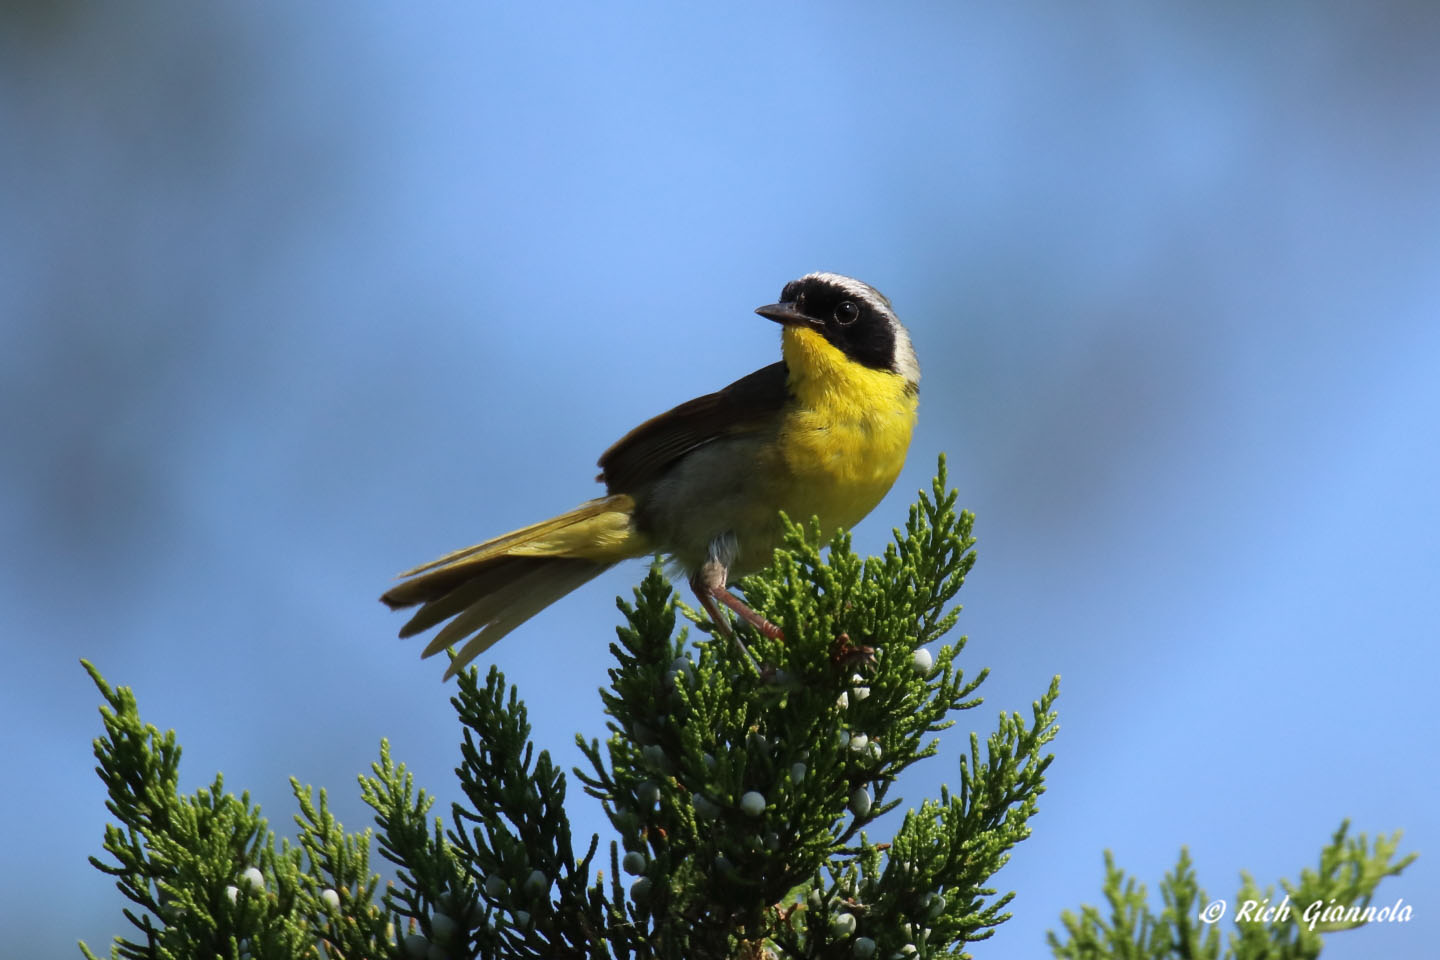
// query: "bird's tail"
[[493, 587]]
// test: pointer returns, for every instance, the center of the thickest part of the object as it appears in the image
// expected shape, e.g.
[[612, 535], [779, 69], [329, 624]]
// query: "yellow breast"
[[846, 437]]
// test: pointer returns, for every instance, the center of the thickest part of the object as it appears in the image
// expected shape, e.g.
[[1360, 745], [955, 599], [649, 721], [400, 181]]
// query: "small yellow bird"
[[823, 433]]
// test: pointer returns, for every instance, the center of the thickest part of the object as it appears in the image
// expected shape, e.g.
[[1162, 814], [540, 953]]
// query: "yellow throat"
[[847, 432]]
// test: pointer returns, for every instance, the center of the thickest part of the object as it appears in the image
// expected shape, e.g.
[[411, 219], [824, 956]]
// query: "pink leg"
[[709, 586]]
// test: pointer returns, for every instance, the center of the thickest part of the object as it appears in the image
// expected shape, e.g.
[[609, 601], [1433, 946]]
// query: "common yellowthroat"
[[821, 433]]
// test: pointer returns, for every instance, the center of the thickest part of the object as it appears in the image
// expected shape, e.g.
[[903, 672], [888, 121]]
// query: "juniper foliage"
[[742, 781], [1267, 925], [205, 870]]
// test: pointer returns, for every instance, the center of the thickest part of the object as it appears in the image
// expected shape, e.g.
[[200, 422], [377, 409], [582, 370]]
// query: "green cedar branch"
[[1290, 926]]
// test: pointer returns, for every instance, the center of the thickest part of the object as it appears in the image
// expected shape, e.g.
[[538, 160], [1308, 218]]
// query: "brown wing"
[[640, 456]]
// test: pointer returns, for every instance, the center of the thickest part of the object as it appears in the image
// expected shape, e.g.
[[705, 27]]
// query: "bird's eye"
[[846, 313]]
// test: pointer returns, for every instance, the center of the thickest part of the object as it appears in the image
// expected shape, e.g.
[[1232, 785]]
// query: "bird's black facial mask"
[[855, 324]]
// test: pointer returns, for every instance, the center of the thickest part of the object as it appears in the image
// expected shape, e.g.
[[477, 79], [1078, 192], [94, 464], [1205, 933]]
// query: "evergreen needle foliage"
[[205, 870], [1335, 897], [741, 778]]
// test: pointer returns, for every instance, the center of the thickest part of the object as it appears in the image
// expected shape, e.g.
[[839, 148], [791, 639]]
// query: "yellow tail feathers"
[[493, 587]]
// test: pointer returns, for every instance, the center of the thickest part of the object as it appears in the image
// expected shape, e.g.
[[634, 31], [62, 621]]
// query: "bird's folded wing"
[[642, 455]]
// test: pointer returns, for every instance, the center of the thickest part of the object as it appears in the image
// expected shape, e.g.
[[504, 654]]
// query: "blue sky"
[[295, 298]]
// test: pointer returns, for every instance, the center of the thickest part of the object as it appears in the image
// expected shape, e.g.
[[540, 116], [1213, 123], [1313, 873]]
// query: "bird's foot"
[[766, 628]]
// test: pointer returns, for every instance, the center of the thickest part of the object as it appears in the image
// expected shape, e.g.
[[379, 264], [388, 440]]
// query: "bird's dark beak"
[[785, 313]]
